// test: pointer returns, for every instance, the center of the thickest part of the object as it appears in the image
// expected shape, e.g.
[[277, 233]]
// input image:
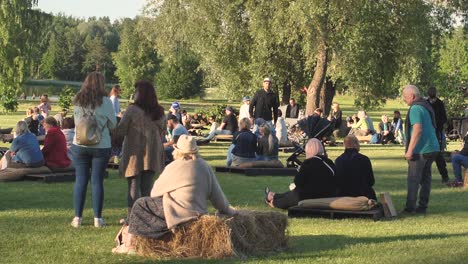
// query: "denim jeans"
[[218, 132], [90, 164], [419, 179], [458, 161], [229, 155]]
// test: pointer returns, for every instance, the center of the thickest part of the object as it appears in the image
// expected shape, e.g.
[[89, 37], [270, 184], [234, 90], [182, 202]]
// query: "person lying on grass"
[[178, 196], [315, 179], [24, 150]]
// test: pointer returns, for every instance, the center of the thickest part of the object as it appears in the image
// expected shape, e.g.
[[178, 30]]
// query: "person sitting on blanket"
[[315, 179], [24, 150], [244, 144], [178, 196], [267, 148], [354, 175], [55, 145]]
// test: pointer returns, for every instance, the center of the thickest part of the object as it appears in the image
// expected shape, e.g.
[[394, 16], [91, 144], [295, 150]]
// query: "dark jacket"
[[245, 144], [293, 114], [389, 127], [33, 125], [230, 122], [265, 104], [354, 175], [338, 117], [440, 113], [316, 178]]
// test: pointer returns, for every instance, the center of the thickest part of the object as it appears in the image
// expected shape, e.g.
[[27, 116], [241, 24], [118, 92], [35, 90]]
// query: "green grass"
[[35, 218]]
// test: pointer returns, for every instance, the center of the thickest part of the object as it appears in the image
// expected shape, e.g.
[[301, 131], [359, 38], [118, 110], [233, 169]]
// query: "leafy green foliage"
[[10, 104], [66, 98], [136, 58], [16, 35], [218, 111], [179, 76]]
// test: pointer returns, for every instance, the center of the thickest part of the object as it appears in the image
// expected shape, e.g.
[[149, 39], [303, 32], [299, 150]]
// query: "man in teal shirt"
[[421, 148]]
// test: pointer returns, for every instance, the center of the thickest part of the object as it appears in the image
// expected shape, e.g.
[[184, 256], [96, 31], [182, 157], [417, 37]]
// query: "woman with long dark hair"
[[143, 125], [90, 159]]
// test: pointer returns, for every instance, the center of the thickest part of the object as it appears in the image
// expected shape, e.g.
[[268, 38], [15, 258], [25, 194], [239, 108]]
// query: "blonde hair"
[[21, 128], [244, 123], [178, 155], [352, 142], [313, 148]]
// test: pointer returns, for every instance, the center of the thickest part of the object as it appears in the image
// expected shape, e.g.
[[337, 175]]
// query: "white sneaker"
[[76, 222], [98, 222]]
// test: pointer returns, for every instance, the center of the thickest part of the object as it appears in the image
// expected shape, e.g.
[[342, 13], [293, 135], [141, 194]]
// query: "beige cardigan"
[[185, 186], [142, 147]]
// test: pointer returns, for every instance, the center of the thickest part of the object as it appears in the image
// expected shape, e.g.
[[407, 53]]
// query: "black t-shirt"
[[231, 123]]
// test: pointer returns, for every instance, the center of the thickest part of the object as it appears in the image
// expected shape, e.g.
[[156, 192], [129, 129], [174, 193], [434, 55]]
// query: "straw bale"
[[213, 237]]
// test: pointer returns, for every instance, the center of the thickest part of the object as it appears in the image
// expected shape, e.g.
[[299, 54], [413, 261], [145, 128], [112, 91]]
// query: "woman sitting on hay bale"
[[179, 195], [24, 150], [315, 179]]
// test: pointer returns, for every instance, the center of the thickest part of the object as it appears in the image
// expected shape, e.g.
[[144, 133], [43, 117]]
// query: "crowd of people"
[[151, 143]]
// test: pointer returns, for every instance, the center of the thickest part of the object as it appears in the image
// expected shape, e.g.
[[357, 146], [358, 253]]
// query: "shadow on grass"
[[319, 243]]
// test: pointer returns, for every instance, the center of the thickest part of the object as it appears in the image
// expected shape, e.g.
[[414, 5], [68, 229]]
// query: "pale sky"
[[114, 9]]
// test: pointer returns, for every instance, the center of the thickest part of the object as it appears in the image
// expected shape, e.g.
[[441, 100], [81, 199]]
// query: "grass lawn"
[[35, 218]]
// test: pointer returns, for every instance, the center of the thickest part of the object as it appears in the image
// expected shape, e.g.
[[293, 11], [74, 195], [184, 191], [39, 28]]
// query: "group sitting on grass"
[[318, 177], [247, 147]]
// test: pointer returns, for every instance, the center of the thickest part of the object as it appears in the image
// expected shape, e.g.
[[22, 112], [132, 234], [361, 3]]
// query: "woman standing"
[[143, 125], [91, 160]]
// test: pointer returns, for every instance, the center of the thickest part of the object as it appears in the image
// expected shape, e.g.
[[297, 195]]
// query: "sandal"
[[267, 191]]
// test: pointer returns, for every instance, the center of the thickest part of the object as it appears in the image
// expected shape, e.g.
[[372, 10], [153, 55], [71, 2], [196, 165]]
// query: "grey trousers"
[[419, 179], [139, 186]]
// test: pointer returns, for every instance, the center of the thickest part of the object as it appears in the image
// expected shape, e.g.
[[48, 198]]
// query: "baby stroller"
[[313, 127]]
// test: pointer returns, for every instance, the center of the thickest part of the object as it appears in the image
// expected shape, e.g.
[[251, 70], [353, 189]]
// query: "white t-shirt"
[[244, 111]]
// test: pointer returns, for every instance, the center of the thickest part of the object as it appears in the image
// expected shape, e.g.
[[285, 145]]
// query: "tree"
[[452, 78], [16, 36], [370, 47], [179, 76], [136, 58]]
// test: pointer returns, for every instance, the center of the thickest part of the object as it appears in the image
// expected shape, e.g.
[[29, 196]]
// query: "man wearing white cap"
[[265, 102]]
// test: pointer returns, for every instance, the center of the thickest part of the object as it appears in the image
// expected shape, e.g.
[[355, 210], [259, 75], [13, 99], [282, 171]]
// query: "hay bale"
[[215, 237]]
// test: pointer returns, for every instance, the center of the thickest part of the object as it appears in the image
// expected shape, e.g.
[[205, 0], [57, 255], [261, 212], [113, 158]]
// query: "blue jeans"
[[458, 161], [229, 155], [419, 179], [90, 164], [218, 132]]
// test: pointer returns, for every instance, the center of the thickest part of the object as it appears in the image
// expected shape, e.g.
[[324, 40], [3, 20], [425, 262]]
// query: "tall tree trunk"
[[313, 92], [315, 87], [286, 91], [326, 95]]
